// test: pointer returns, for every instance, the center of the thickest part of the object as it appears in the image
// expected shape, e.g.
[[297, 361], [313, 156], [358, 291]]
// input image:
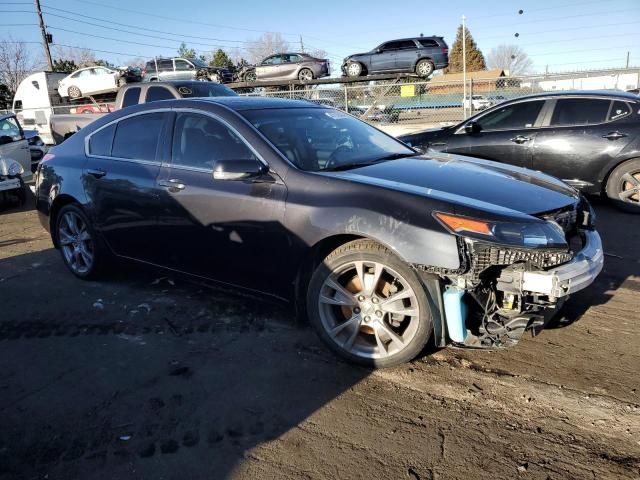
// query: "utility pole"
[[464, 70], [45, 36], [627, 58], [301, 45]]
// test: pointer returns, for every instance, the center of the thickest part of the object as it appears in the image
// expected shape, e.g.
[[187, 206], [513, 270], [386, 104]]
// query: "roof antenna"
[[422, 34]]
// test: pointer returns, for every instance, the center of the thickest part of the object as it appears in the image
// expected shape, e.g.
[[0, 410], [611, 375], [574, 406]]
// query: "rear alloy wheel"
[[305, 75], [368, 306], [74, 92], [354, 69], [424, 68], [623, 186], [82, 251]]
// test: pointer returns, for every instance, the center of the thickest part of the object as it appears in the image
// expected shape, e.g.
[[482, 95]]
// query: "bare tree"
[[16, 62], [318, 53], [510, 57], [267, 44], [137, 62], [82, 57]]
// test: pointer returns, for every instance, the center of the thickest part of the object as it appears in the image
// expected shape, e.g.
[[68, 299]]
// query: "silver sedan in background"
[[288, 66]]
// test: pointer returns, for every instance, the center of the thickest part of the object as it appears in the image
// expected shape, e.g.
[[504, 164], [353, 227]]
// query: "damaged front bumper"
[[571, 277]]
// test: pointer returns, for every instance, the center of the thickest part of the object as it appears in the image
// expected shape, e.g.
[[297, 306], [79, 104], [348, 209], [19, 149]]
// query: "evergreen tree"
[[64, 66], [475, 59], [184, 52], [221, 59]]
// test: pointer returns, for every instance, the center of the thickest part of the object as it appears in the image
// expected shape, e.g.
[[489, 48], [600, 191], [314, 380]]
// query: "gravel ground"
[[145, 375]]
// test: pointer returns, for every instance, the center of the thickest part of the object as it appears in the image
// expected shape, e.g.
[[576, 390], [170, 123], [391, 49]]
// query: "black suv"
[[419, 55], [591, 140], [161, 69]]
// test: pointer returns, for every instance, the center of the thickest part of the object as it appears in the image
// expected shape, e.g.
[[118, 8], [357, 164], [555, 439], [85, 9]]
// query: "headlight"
[[15, 169], [530, 235]]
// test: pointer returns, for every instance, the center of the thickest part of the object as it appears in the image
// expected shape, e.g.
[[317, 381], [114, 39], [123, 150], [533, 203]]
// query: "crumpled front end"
[[501, 291]]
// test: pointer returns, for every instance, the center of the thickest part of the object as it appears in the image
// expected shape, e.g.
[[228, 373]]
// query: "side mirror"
[[4, 139], [471, 128], [238, 169], [378, 50]]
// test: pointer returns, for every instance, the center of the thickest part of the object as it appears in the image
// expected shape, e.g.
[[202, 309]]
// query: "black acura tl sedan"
[[381, 247], [591, 140]]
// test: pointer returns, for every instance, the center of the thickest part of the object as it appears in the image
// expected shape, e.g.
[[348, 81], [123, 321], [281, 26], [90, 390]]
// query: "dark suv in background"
[[161, 69], [419, 55]]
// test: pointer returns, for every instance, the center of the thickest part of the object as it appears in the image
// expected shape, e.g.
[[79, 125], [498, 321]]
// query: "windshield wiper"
[[348, 166], [395, 156]]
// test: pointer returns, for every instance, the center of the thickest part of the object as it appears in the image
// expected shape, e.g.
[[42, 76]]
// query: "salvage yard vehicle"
[[91, 81], [381, 247], [419, 55], [15, 159], [591, 140], [477, 102], [288, 66], [162, 69]]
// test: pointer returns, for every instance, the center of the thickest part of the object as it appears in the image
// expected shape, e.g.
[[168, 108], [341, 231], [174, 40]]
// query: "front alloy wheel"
[[354, 69], [368, 306], [623, 186]]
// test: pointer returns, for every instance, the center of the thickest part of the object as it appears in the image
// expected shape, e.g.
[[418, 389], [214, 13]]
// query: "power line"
[[583, 27]]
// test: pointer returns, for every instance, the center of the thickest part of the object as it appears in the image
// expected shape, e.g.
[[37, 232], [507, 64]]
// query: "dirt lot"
[[147, 376]]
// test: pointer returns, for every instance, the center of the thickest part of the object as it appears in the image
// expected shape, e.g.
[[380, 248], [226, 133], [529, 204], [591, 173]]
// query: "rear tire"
[[623, 186], [83, 251], [368, 306], [250, 76], [305, 75], [424, 68]]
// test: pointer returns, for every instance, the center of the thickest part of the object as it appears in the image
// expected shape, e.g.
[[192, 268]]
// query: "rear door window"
[[580, 111], [100, 142], [131, 97], [165, 65], [158, 93], [428, 43], [512, 117], [619, 110], [138, 137]]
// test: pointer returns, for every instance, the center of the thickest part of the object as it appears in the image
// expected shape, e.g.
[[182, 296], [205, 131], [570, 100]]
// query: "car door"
[[84, 80], [582, 136], [225, 230], [384, 57], [120, 180], [105, 79], [13, 144], [504, 134], [183, 70], [269, 67], [289, 66], [406, 56]]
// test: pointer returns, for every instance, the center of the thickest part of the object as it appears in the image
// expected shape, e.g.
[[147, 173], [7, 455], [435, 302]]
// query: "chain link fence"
[[413, 105]]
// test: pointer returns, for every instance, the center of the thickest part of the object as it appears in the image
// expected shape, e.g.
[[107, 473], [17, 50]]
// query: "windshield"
[[318, 139], [204, 89], [198, 63]]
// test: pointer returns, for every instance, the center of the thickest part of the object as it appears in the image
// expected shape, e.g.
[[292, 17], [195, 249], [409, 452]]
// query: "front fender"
[[413, 244]]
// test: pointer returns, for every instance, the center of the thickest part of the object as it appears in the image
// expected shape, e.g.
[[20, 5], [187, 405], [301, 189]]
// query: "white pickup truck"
[[39, 105]]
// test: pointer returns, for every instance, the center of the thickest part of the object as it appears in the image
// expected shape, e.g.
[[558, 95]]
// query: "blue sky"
[[564, 35]]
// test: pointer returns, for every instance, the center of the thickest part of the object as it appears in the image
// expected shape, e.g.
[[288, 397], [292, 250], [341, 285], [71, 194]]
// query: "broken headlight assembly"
[[540, 234]]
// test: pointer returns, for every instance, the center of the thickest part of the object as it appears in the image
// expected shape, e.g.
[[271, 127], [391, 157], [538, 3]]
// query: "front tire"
[[623, 186], [424, 68], [250, 76], [368, 306], [74, 92], [83, 252], [354, 69]]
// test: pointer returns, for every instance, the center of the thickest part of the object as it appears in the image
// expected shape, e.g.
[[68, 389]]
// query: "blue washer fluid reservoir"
[[455, 312]]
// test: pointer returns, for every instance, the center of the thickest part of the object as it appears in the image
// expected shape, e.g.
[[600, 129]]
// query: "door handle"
[[173, 185], [96, 172], [520, 139], [614, 135]]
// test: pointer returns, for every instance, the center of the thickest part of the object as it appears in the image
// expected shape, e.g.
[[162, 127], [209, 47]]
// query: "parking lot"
[[145, 375]]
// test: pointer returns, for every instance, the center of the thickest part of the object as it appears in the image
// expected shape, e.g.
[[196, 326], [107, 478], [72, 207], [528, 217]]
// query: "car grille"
[[490, 255]]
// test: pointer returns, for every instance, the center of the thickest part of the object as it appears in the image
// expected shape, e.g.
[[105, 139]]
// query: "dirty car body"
[[494, 248]]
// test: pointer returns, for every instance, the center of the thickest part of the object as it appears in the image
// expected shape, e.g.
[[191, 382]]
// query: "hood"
[[470, 183], [427, 135]]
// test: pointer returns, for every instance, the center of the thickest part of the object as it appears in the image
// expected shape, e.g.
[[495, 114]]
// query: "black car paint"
[[579, 155], [262, 233]]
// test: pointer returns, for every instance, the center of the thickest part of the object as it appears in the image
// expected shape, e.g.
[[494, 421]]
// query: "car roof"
[[580, 93], [414, 38], [257, 103]]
